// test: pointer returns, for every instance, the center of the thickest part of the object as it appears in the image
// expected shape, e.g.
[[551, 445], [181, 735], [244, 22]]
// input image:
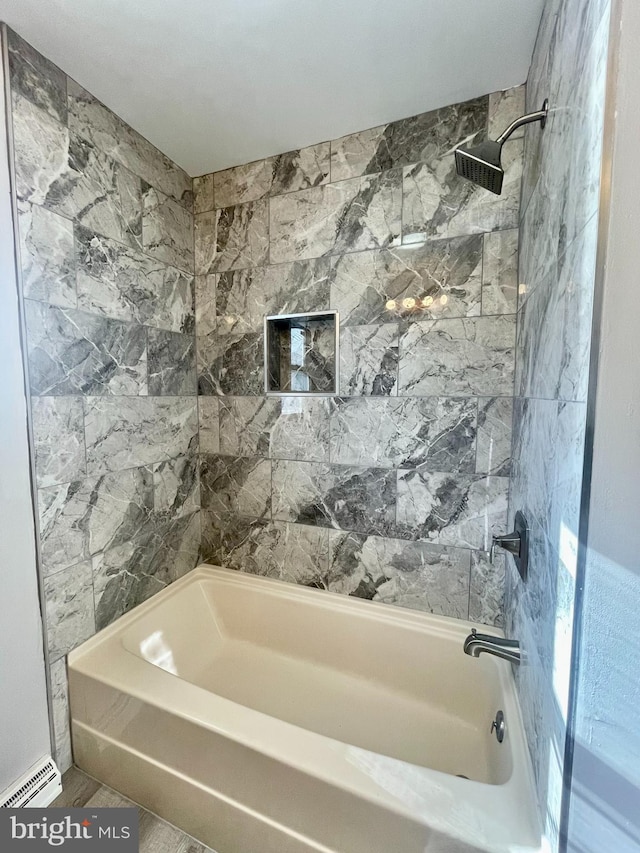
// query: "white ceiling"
[[214, 83]]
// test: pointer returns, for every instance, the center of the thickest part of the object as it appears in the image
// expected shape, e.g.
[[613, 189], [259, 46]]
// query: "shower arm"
[[540, 115]]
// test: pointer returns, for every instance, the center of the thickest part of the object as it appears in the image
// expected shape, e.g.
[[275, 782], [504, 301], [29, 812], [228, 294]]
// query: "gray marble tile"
[[232, 237], [500, 272], [167, 230], [554, 326], [302, 355], [451, 509], [61, 724], [126, 432], [231, 364], [119, 282], [91, 120], [359, 499], [58, 435], [71, 352], [470, 356], [208, 425], [495, 417], [77, 789], [243, 297], [424, 137], [203, 193], [363, 213], [369, 360], [295, 170], [176, 484], [440, 278], [206, 320], [162, 550], [505, 107], [47, 261], [238, 485], [409, 574], [437, 431], [69, 609], [36, 78], [486, 599], [81, 518], [292, 552], [437, 203], [171, 360], [284, 428]]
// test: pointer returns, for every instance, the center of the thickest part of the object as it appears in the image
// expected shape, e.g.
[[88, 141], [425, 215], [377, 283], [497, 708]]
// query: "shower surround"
[[105, 228], [391, 489]]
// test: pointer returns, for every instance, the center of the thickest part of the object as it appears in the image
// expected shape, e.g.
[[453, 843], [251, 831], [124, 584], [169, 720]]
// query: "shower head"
[[481, 163]]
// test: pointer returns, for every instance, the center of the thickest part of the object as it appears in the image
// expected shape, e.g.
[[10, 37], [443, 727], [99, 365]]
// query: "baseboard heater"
[[38, 788]]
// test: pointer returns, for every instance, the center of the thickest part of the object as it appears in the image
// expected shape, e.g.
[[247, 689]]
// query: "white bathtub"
[[262, 717]]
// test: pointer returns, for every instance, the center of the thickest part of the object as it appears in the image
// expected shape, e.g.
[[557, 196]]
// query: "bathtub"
[[263, 717]]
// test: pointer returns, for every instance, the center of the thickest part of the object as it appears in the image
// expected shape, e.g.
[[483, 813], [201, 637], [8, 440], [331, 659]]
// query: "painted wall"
[[390, 490], [106, 261], [24, 721], [605, 789], [558, 235]]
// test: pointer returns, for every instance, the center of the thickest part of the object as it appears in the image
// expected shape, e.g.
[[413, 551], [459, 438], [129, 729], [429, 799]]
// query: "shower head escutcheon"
[[481, 163]]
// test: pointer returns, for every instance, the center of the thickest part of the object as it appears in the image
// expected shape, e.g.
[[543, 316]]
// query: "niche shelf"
[[301, 354]]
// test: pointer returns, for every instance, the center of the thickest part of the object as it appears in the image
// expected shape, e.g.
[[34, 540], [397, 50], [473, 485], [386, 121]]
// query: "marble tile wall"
[[558, 236], [105, 237], [390, 490]]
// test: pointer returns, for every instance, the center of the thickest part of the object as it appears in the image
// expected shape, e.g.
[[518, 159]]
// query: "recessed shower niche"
[[301, 353]]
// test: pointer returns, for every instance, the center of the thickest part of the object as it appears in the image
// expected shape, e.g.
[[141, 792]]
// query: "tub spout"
[[476, 643]]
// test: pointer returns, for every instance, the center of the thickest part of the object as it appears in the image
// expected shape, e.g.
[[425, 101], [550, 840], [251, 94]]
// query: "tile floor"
[[156, 835]]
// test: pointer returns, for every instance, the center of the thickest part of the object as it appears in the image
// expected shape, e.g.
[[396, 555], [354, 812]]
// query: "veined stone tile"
[[71, 352], [295, 170], [363, 213], [232, 237], [292, 552], [437, 203], [162, 551], [41, 149], [437, 431], [486, 600], [120, 282], [409, 574], [206, 304], [504, 108], [83, 517], [500, 272], [61, 723], [424, 137], [231, 364], [167, 230], [126, 432], [203, 193], [451, 509], [208, 420], [495, 416], [69, 609], [470, 356], [279, 428], [238, 485], [369, 360], [46, 256], [58, 434], [176, 485], [244, 297], [172, 363], [360, 499], [441, 278], [91, 120], [36, 78]]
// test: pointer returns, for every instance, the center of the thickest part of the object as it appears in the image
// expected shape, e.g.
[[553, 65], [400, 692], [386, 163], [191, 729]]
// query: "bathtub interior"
[[396, 684]]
